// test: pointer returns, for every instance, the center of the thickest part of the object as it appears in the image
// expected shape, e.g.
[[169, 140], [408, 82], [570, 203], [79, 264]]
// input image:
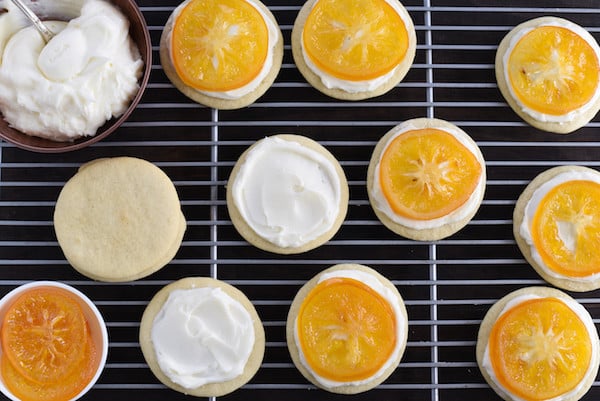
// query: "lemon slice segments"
[[566, 228], [553, 70], [540, 349], [219, 45], [427, 173], [355, 40], [346, 330]]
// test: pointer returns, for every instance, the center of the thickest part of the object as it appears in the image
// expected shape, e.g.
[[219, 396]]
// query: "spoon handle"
[[46, 33]]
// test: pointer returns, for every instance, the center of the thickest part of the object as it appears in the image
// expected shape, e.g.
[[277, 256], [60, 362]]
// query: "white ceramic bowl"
[[92, 315]]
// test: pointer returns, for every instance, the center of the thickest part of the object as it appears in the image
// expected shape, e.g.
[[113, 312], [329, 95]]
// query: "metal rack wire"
[[447, 285]]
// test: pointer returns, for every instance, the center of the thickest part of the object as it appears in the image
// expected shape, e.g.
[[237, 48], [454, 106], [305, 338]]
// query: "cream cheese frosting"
[[580, 311], [273, 34], [287, 193], [566, 232], [68, 88], [202, 335], [390, 297], [544, 117], [382, 204], [332, 82]]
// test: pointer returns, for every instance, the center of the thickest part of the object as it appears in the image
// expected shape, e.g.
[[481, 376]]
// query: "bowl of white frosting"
[[80, 86]]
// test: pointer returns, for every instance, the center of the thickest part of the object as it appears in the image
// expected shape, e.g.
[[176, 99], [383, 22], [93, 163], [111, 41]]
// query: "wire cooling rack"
[[448, 285]]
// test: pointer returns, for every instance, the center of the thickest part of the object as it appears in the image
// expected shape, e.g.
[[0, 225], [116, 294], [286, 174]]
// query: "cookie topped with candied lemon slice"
[[538, 344], [426, 179], [548, 70], [556, 224], [347, 329], [222, 53], [353, 49]]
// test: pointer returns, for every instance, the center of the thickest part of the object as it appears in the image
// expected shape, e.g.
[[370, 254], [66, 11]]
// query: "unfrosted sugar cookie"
[[426, 179], [538, 343], [203, 337], [223, 54], [347, 329], [353, 49], [119, 219], [287, 194], [548, 70], [556, 223]]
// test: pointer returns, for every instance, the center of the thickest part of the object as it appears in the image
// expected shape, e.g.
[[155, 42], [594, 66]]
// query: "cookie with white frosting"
[[202, 337], [287, 194]]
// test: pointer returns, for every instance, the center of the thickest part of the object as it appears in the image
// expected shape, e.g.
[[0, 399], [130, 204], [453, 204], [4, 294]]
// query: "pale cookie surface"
[[402, 321], [119, 219], [563, 282], [490, 319], [563, 127], [257, 240], [212, 101], [414, 232], [209, 389], [315, 80]]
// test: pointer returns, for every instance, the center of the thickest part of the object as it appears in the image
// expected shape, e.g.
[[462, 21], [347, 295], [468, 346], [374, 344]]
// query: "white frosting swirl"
[[401, 324], [544, 117], [202, 335], [382, 204], [287, 193], [87, 74], [565, 232], [581, 312]]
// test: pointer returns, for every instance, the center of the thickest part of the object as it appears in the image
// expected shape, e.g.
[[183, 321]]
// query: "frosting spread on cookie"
[[202, 335], [255, 83], [543, 117], [286, 192], [389, 295], [565, 234], [381, 203], [583, 315]]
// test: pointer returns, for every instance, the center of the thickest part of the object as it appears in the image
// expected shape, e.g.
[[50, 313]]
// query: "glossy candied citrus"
[[219, 45], [355, 40], [346, 330], [427, 173], [553, 70], [566, 228], [539, 349], [65, 389]]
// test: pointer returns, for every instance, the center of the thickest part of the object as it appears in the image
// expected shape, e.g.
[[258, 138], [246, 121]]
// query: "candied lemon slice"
[[427, 173], [553, 70], [219, 45], [346, 330], [355, 40], [566, 228], [539, 349]]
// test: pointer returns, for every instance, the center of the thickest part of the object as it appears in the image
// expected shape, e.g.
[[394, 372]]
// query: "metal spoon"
[[46, 33]]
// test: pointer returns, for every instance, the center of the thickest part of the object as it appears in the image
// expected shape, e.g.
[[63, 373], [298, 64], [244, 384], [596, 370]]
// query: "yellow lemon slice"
[[553, 70], [427, 173], [566, 228], [540, 349], [219, 45], [355, 40], [347, 331]]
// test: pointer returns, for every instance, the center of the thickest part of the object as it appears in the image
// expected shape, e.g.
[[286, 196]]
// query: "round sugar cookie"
[[289, 184], [217, 101], [212, 389], [554, 121], [119, 219], [379, 85], [544, 179], [374, 282], [511, 300], [432, 228]]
